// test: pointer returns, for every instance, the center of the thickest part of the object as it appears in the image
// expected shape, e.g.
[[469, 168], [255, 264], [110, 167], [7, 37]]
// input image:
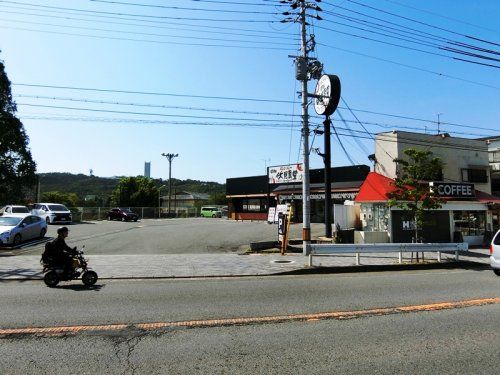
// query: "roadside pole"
[[306, 204]]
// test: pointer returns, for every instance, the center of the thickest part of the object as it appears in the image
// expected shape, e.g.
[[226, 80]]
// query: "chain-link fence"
[[101, 213]]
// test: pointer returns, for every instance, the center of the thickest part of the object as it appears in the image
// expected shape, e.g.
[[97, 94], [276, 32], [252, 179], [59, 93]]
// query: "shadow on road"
[[81, 287], [21, 274]]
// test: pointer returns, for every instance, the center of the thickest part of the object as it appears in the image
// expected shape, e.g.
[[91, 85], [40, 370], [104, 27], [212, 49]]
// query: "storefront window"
[[254, 205], [470, 223], [375, 217]]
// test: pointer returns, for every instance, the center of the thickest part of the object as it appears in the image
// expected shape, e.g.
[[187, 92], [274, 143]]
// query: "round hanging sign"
[[327, 94]]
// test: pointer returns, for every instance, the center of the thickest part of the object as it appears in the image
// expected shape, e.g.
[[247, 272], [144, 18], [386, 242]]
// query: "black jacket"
[[60, 249]]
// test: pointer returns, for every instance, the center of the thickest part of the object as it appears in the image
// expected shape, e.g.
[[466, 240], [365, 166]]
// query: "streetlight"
[[159, 200], [170, 157]]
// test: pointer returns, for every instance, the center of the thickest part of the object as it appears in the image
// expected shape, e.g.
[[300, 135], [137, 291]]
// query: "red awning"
[[375, 188], [486, 198]]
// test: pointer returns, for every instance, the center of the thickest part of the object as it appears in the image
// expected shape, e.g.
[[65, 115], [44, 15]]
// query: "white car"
[[12, 210], [495, 253], [52, 213], [14, 230]]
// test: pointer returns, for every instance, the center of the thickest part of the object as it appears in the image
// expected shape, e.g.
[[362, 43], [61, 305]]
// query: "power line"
[[150, 41], [143, 23], [198, 1], [148, 105], [162, 35], [420, 22], [219, 110], [412, 118], [421, 42], [442, 16], [141, 113], [152, 93], [282, 126], [276, 126], [155, 34], [439, 74], [404, 47], [147, 15], [402, 30], [342, 146]]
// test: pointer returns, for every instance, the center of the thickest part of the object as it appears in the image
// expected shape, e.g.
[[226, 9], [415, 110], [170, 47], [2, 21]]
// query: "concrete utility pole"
[[306, 68], [306, 203], [170, 157]]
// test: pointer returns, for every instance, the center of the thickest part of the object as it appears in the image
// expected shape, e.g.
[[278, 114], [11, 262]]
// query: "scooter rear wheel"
[[51, 279], [89, 278]]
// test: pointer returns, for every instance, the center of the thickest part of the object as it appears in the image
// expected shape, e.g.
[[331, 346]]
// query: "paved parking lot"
[[165, 236]]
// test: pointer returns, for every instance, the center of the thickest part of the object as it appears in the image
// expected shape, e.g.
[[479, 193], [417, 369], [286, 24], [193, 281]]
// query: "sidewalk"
[[226, 265]]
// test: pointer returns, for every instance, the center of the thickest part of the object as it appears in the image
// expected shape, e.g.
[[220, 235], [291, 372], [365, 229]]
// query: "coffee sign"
[[452, 190]]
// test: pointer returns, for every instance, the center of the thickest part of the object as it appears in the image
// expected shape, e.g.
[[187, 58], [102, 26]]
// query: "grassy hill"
[[83, 185]]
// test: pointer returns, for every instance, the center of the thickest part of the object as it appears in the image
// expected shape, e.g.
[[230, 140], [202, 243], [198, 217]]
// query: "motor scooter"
[[55, 274]]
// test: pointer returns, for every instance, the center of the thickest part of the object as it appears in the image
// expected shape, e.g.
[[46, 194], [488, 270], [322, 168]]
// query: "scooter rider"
[[62, 254]]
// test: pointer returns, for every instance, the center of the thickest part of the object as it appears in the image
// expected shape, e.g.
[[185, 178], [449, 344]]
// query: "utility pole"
[[306, 68], [170, 157], [439, 121], [306, 203]]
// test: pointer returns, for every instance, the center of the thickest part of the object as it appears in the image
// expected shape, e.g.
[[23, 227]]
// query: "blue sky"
[[89, 45]]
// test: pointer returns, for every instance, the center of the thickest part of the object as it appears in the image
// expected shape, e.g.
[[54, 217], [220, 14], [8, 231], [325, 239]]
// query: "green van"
[[210, 211]]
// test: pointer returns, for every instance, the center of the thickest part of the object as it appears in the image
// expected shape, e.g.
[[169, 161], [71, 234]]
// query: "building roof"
[[377, 187]]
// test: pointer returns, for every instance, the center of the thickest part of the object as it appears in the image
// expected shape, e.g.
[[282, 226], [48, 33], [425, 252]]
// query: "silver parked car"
[[13, 210], [495, 253], [14, 230]]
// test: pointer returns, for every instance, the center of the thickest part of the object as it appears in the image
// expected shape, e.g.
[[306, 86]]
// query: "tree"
[[68, 199], [17, 168], [218, 199], [412, 194], [135, 192]]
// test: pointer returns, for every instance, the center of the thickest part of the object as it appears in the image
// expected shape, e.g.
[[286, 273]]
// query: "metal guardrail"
[[332, 249]]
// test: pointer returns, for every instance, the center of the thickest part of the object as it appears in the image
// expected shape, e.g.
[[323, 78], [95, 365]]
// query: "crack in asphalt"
[[131, 340]]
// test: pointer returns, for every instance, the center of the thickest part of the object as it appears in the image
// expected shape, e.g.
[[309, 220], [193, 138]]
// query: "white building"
[[465, 160], [470, 212]]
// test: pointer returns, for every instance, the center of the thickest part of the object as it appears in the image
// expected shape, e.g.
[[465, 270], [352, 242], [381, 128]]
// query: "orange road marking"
[[309, 317]]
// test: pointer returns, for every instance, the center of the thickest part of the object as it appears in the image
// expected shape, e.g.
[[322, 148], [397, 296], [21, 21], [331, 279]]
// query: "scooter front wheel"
[[51, 279], [89, 278]]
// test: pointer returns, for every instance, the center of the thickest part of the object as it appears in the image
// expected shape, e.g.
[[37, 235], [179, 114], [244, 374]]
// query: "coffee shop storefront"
[[466, 215]]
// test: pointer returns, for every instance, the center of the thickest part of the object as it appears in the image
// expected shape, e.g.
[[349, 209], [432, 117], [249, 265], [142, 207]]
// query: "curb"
[[465, 264], [304, 271]]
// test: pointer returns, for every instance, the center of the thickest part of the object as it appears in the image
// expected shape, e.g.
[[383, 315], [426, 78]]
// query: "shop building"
[[464, 160], [465, 215], [250, 197]]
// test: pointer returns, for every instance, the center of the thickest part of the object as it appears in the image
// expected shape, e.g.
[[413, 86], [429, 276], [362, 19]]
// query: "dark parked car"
[[123, 214]]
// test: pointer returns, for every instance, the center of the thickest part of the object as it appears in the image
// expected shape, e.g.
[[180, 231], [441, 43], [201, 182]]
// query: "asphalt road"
[[456, 340], [167, 236]]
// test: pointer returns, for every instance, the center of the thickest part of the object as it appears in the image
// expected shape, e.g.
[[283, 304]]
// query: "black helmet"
[[62, 230]]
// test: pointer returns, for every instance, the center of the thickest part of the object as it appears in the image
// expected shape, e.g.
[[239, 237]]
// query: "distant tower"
[[147, 169], [91, 172]]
